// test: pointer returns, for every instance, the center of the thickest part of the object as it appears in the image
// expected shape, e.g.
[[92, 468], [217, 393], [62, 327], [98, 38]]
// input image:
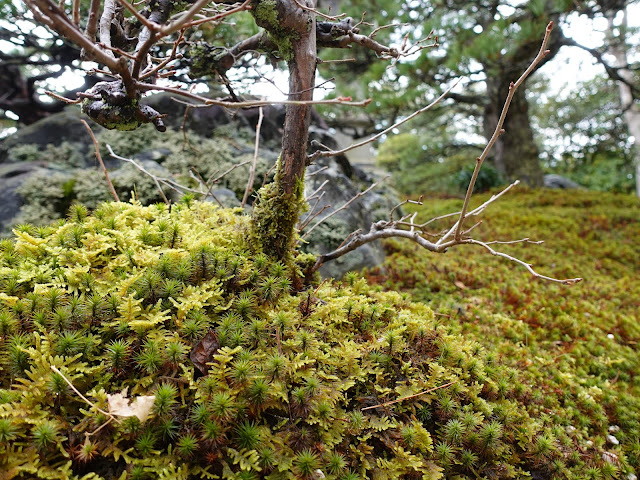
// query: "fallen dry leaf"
[[122, 406], [203, 352]]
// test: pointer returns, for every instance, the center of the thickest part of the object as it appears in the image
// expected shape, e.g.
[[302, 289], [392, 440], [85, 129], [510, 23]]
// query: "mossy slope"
[[122, 298], [575, 349]]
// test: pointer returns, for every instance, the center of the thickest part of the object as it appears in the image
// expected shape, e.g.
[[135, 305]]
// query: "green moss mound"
[[250, 380]]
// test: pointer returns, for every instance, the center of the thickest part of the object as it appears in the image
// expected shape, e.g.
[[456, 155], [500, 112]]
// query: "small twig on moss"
[[77, 392], [410, 396], [99, 157], [252, 172]]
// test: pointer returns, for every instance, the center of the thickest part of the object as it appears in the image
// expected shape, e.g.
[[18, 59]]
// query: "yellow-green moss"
[[575, 349], [295, 383]]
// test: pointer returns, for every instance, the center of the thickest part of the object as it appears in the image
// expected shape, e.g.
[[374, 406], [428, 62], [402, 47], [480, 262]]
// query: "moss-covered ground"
[[574, 349], [502, 376]]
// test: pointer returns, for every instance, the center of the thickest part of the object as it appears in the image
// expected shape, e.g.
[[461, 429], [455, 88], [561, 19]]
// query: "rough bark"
[[516, 155], [302, 70], [279, 204]]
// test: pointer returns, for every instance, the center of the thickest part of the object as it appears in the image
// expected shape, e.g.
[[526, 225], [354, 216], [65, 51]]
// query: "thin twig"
[[55, 369], [477, 211], [195, 174], [63, 99], [410, 396], [207, 102], [318, 13], [343, 207], [309, 218], [99, 157], [228, 171], [331, 153], [568, 281], [252, 172], [316, 191], [543, 52], [157, 180], [401, 204]]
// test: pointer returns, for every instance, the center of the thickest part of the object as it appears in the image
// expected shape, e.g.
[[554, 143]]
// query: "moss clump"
[[265, 13], [275, 216], [206, 60], [250, 379]]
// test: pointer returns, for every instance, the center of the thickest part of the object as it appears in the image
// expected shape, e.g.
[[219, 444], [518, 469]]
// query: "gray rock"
[[12, 175], [52, 130], [558, 181], [57, 161], [338, 190], [224, 196]]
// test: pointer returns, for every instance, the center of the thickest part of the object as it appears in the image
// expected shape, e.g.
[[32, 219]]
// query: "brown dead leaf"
[[460, 285], [203, 352]]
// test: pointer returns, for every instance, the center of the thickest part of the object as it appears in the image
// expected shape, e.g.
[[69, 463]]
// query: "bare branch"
[[568, 281], [99, 157], [62, 99], [207, 102], [455, 235], [343, 207], [402, 204], [477, 211], [318, 13], [499, 130], [92, 22], [157, 180], [330, 153], [108, 13]]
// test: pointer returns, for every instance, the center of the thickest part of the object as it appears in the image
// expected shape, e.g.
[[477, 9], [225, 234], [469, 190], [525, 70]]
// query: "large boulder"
[[54, 130]]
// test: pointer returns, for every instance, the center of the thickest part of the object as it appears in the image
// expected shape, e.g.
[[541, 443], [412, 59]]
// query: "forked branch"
[[406, 227]]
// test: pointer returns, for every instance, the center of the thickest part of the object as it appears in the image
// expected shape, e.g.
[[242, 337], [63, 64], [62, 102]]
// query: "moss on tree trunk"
[[279, 204]]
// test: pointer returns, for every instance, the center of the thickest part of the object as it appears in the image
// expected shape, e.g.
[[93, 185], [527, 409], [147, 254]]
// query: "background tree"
[[583, 135], [485, 42]]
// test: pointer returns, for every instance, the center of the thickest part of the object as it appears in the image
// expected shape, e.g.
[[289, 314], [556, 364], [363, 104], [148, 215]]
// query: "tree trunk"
[[629, 107], [280, 203], [515, 154]]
